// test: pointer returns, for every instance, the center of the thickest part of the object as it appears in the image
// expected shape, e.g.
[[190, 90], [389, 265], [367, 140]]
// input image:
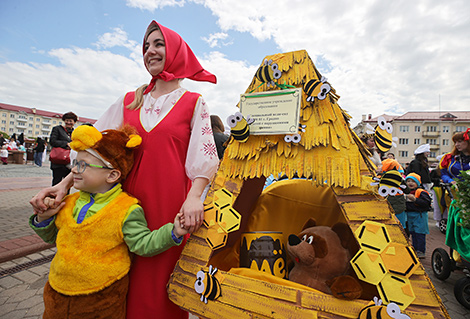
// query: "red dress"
[[158, 179]]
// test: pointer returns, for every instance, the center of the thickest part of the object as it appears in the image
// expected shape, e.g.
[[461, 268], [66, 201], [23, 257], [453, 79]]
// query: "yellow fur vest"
[[91, 255]]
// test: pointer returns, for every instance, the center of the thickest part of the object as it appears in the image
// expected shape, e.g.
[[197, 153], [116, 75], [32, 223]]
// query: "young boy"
[[95, 228], [418, 202]]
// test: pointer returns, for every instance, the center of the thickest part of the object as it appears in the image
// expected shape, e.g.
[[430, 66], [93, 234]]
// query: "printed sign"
[[274, 112]]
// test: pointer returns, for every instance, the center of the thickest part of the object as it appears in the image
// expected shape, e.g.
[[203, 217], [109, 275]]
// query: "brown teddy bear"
[[321, 259]]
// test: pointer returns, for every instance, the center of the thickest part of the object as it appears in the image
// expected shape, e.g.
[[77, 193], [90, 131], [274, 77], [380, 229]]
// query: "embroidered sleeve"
[[202, 159]]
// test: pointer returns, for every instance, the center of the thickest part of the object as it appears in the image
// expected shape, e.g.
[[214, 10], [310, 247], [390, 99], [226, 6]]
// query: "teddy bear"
[[321, 259]]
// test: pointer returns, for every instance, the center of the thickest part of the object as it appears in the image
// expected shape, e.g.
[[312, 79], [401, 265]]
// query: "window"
[[12, 115], [417, 129], [417, 141], [3, 128], [37, 126], [30, 125], [445, 129], [4, 121], [432, 154], [431, 128], [403, 141], [445, 141], [38, 119], [30, 131], [36, 133], [460, 128], [404, 128], [11, 130], [431, 141], [12, 123], [31, 118], [403, 153], [4, 114], [22, 117], [54, 122]]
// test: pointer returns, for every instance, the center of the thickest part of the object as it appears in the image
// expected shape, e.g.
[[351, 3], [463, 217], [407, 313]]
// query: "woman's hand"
[[57, 192], [51, 211], [193, 211], [193, 208]]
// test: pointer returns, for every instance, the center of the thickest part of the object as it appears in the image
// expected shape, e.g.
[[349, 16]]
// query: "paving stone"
[[17, 314], [30, 302], [24, 295], [14, 290], [9, 282], [27, 276], [36, 311], [6, 308]]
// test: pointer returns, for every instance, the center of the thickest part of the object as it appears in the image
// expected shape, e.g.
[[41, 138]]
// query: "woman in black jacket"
[[420, 165], [60, 137]]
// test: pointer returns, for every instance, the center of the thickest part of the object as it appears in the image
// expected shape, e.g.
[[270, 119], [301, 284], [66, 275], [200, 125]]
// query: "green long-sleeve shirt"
[[138, 237]]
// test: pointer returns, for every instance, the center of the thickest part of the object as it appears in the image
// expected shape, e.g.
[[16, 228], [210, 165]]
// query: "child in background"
[[4, 154], [95, 228], [418, 202]]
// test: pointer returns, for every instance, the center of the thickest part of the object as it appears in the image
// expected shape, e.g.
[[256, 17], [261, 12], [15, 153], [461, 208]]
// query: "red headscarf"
[[180, 61]]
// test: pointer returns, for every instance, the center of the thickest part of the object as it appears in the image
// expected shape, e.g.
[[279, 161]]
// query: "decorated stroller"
[[458, 240], [329, 180]]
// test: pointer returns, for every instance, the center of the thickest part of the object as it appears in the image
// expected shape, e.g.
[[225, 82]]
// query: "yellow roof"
[[329, 151]]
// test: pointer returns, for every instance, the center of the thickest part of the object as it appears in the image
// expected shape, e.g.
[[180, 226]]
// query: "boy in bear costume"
[[94, 229]]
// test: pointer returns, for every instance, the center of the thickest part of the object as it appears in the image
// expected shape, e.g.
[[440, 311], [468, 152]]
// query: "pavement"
[[25, 259]]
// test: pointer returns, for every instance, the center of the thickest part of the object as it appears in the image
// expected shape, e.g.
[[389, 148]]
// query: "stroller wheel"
[[443, 225], [462, 291], [441, 265]]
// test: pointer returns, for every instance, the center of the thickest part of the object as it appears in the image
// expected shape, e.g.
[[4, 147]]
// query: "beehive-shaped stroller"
[[329, 176]]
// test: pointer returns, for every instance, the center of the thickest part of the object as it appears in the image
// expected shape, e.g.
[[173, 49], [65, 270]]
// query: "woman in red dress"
[[176, 160]]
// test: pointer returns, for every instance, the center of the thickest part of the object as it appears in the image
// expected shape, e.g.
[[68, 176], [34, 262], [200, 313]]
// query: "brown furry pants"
[[107, 303]]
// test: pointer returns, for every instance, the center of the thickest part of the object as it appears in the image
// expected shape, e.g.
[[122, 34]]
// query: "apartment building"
[[31, 122], [415, 128]]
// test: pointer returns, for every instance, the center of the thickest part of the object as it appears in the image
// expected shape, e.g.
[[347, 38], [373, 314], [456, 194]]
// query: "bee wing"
[[249, 120]]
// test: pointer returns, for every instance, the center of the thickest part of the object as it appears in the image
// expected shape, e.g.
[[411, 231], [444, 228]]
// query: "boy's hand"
[[48, 213], [178, 230]]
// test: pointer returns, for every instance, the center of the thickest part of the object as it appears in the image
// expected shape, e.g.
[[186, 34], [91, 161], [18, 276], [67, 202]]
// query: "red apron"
[[158, 179]]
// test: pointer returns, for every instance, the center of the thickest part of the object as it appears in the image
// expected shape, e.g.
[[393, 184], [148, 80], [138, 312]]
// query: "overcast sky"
[[380, 56]]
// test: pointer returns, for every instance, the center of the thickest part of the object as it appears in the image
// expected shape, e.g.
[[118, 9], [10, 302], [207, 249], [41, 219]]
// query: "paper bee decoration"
[[239, 126], [316, 89], [207, 285]]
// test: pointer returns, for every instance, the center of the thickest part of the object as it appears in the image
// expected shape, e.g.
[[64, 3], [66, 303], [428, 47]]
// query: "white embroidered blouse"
[[201, 159]]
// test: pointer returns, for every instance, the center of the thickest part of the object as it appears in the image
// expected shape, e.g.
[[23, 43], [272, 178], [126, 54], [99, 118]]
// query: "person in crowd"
[[391, 155], [60, 137], [175, 162], [12, 145], [458, 160], [4, 154], [397, 201], [94, 229], [368, 140], [22, 149], [452, 166], [437, 193], [420, 166], [220, 137], [38, 151], [418, 203]]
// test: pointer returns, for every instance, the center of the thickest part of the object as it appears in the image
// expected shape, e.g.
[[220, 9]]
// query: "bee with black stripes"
[[383, 135], [377, 310], [390, 183], [316, 89], [239, 126], [268, 72], [207, 285]]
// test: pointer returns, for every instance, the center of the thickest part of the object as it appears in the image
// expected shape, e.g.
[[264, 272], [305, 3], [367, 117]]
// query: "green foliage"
[[5, 135], [463, 198]]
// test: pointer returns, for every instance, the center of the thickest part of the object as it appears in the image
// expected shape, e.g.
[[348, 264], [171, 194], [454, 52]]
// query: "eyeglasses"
[[82, 165]]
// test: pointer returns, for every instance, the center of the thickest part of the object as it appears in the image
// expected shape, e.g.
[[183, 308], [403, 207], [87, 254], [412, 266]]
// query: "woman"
[[60, 137], [38, 151], [368, 140], [420, 166], [177, 149], [452, 165], [220, 137]]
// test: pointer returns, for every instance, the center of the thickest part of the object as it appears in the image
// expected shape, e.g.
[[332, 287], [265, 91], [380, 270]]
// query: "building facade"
[[31, 122], [416, 128]]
